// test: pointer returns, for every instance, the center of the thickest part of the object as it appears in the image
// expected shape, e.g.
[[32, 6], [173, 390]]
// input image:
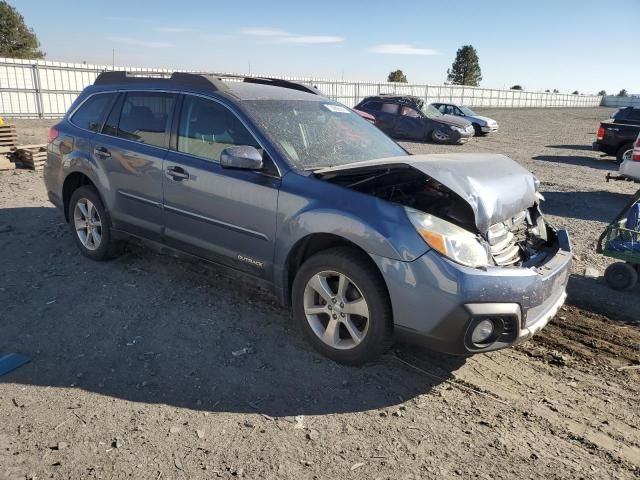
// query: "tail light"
[[53, 134], [600, 133]]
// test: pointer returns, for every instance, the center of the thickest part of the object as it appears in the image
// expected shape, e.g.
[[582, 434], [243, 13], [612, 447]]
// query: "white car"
[[630, 168]]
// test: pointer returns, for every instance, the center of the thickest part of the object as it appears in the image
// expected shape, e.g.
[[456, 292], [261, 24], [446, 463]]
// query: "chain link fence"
[[45, 89]]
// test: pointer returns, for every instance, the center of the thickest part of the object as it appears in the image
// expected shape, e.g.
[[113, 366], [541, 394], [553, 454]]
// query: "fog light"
[[482, 331]]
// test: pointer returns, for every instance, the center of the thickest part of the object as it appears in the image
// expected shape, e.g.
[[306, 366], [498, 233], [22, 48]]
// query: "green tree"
[[516, 87], [547, 91], [465, 69], [16, 39], [602, 93], [623, 93], [575, 92], [555, 90], [397, 76]]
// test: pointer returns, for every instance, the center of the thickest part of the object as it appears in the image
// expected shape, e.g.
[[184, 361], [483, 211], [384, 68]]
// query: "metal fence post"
[[38, 91]]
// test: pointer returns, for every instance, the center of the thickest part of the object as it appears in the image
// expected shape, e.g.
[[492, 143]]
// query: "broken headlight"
[[452, 241]]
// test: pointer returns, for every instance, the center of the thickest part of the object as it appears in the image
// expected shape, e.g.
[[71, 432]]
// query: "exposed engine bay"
[[524, 240]]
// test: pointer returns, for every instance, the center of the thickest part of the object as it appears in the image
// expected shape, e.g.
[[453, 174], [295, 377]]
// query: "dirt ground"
[[133, 376]]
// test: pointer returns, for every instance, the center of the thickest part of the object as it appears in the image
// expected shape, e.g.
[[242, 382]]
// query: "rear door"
[[225, 215], [387, 117], [132, 146]]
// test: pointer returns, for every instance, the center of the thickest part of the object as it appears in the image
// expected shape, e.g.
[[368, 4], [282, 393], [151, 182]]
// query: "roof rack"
[[200, 80], [276, 82], [193, 80]]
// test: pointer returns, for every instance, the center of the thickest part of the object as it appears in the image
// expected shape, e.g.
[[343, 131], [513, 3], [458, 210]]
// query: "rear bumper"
[[437, 303], [604, 148]]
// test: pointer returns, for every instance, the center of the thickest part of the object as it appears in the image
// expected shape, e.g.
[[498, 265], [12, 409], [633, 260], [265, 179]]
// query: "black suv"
[[616, 135], [405, 116]]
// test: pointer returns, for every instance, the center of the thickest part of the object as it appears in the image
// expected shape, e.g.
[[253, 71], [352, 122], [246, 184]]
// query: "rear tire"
[[621, 276], [90, 225], [329, 319], [624, 152]]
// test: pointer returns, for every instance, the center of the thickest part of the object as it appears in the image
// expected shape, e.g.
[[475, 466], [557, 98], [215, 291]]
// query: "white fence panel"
[[619, 102], [46, 89]]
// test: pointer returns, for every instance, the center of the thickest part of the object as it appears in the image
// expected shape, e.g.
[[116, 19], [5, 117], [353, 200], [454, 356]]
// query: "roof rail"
[[277, 82], [193, 80], [200, 80]]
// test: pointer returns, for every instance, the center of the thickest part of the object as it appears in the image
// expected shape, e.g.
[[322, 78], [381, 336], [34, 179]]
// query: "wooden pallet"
[[5, 163], [8, 136], [30, 156]]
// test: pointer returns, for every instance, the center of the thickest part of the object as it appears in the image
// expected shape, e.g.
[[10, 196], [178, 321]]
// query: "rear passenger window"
[[145, 118], [373, 106], [390, 108], [207, 128], [91, 113]]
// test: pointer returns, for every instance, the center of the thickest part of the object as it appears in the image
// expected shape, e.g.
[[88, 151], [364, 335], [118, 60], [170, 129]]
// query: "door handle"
[[177, 173], [101, 152]]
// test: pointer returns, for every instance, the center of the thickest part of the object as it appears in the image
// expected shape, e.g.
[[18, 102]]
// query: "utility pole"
[[113, 59]]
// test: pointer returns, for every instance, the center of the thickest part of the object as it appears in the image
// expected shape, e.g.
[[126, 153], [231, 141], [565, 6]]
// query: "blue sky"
[[566, 45]]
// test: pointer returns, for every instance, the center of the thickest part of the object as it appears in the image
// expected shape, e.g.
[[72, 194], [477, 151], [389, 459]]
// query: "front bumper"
[[436, 302], [489, 129]]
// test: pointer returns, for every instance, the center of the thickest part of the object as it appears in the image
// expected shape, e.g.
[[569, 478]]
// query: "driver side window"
[[206, 128], [410, 112]]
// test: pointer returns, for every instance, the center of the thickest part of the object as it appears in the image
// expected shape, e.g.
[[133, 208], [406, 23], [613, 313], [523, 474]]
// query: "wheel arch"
[[308, 246], [72, 182]]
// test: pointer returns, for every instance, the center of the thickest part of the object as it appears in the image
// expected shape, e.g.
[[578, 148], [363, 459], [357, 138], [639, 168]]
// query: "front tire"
[[624, 152], [439, 136], [341, 303], [90, 225]]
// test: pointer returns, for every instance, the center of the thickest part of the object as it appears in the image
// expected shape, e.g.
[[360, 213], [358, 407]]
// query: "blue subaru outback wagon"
[[364, 241]]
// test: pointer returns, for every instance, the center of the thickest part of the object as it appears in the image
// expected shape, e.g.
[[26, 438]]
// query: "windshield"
[[430, 111], [467, 111], [320, 134]]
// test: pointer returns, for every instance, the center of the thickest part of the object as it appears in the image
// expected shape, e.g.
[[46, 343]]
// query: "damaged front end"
[[478, 210]]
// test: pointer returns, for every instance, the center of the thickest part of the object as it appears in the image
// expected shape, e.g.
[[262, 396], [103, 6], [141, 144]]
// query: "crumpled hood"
[[486, 120], [496, 187]]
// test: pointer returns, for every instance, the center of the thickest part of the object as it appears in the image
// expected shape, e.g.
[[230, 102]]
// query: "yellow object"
[[1, 121]]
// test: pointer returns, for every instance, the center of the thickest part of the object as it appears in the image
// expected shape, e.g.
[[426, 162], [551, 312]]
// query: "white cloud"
[[282, 36], [311, 39], [402, 49], [140, 43], [173, 29], [265, 32]]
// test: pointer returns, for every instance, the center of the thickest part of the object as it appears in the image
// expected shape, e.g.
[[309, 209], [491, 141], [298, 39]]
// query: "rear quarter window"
[[92, 112]]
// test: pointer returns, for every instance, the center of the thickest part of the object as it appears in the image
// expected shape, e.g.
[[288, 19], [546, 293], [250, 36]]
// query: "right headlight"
[[459, 129], [448, 239]]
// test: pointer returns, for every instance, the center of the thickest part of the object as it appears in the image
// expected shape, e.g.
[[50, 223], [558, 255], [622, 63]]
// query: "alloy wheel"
[[336, 310], [440, 136], [88, 224]]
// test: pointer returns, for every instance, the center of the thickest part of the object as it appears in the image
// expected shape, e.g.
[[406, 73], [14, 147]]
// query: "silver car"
[[482, 125]]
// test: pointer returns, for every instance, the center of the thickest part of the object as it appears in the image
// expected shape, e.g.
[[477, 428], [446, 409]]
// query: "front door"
[[411, 124], [225, 215]]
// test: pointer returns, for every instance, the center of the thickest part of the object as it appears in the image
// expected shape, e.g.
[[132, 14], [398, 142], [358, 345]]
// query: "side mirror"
[[243, 157]]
